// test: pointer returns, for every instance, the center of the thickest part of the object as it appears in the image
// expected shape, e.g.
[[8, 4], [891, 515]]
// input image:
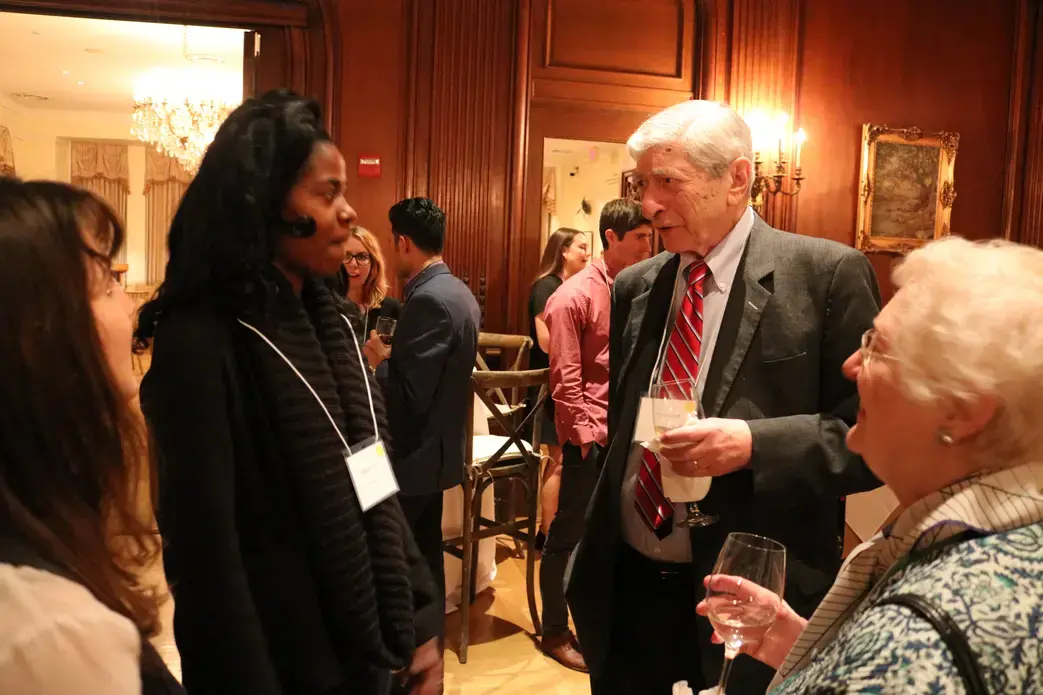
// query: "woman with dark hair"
[[567, 252], [76, 616], [287, 578]]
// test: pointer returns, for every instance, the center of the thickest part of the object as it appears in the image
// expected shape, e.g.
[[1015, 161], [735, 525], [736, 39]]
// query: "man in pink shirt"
[[577, 316]]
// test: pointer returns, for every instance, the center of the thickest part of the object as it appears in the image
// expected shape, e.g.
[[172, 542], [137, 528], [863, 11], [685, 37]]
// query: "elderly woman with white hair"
[[948, 598]]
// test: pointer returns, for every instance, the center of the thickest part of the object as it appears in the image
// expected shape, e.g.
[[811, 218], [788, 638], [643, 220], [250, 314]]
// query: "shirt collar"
[[426, 272], [723, 259]]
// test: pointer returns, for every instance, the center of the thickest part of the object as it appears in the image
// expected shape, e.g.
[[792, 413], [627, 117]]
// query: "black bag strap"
[[952, 635]]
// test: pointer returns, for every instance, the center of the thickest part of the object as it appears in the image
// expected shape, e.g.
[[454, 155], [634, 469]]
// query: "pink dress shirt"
[[577, 315]]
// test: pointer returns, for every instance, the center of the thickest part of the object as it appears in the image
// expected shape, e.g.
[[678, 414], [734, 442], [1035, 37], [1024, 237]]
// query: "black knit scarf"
[[359, 560]]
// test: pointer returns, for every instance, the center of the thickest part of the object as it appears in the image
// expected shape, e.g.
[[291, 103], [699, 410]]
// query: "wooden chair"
[[502, 343], [496, 458]]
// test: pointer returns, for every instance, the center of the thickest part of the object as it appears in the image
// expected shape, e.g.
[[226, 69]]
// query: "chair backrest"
[[503, 342], [514, 423]]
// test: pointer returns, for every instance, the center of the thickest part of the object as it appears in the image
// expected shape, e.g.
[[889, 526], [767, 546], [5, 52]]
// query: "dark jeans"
[[424, 514], [578, 477], [653, 642]]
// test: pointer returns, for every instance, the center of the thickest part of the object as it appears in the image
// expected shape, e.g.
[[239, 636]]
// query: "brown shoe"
[[565, 650]]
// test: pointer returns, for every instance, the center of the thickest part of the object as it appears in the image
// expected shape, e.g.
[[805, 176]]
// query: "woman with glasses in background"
[[362, 281]]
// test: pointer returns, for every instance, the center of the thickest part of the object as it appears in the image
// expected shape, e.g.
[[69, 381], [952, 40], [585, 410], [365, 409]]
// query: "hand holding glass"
[[744, 595], [385, 329], [675, 404]]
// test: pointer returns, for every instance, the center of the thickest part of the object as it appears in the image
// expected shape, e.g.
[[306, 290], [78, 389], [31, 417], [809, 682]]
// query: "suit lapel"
[[648, 315], [750, 292]]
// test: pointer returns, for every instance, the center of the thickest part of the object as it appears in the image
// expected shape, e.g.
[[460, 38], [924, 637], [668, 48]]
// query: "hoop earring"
[[945, 437]]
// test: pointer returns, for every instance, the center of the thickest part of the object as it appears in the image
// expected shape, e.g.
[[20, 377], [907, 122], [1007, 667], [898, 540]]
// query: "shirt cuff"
[[583, 434]]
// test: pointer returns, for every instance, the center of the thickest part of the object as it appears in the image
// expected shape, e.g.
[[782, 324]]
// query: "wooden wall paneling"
[[1022, 72], [617, 42], [714, 18], [875, 63], [1029, 228], [371, 108], [764, 62], [598, 70], [281, 13], [459, 142]]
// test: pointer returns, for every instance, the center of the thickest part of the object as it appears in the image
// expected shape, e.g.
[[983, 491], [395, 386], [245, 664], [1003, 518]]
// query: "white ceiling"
[[94, 64]]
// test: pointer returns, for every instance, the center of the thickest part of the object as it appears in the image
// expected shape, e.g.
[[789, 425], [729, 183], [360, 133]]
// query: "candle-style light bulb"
[[801, 137]]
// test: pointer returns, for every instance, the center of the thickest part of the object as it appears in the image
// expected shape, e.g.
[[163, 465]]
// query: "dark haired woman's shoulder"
[[194, 327]]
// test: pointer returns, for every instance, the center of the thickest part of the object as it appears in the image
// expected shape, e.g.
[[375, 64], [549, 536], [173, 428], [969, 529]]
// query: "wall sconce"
[[773, 142]]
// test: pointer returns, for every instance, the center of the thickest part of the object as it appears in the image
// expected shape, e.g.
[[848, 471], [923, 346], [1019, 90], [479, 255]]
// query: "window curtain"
[[102, 168], [165, 183], [6, 152]]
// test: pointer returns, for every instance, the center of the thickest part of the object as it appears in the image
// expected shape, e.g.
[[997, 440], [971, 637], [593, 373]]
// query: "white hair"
[[970, 327], [712, 135]]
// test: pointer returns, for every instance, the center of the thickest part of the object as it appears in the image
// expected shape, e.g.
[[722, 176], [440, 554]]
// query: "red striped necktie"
[[681, 361]]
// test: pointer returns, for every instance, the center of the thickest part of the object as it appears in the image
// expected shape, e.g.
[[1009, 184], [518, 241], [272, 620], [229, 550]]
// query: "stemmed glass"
[[745, 593], [674, 404], [385, 329]]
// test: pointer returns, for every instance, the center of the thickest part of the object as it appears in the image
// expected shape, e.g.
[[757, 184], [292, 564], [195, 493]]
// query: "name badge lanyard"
[[358, 351]]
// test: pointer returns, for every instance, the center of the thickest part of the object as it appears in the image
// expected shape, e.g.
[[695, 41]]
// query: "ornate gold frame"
[[947, 144]]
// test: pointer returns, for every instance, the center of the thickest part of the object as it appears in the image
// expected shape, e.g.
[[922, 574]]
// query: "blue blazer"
[[428, 381]]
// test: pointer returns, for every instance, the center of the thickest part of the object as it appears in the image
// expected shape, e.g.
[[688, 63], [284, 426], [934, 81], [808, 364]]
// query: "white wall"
[[593, 171], [42, 138]]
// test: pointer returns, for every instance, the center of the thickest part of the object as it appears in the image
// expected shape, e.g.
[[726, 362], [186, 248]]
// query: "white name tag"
[[371, 475], [644, 429]]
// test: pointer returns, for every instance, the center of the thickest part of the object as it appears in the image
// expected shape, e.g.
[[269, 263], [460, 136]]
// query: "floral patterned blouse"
[[992, 586]]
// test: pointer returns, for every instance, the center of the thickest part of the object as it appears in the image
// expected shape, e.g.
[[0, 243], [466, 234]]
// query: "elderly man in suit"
[[427, 377], [762, 320]]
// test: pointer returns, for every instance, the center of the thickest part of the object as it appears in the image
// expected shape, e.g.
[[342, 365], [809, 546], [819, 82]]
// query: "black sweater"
[[248, 615]]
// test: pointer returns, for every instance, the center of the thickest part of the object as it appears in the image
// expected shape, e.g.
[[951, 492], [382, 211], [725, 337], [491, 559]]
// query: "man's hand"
[[584, 449], [428, 669], [710, 447], [780, 637], [375, 351]]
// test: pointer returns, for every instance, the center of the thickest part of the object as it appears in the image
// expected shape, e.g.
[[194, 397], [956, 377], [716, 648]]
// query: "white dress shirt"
[[723, 263]]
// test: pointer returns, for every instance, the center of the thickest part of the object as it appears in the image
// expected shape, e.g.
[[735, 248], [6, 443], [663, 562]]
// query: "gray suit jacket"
[[796, 311]]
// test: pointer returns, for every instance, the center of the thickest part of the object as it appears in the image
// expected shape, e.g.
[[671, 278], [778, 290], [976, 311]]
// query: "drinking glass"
[[745, 593], [385, 329], [674, 404]]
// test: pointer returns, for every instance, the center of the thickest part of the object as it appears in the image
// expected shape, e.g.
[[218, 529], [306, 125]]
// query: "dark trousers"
[[578, 477], [424, 514], [653, 642]]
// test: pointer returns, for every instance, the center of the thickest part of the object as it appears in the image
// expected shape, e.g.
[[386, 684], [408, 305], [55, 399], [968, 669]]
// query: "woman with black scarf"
[[283, 580]]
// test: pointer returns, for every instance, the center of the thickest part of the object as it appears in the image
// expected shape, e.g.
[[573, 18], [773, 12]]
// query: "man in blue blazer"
[[428, 374]]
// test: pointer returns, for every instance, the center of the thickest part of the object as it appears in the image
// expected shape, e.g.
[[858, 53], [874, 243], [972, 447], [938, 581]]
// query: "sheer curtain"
[[165, 184], [6, 152], [102, 168]]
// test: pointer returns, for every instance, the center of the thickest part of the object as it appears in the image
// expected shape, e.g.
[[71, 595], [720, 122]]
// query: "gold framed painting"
[[906, 188]]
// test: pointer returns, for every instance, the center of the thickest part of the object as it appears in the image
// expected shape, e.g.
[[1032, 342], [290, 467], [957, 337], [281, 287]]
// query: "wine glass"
[[674, 404], [385, 329], [745, 593]]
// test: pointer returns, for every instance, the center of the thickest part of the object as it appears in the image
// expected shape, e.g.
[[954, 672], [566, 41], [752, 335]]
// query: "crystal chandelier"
[[179, 111]]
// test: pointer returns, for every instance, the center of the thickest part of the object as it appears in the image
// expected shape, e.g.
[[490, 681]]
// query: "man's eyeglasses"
[[360, 258], [868, 350]]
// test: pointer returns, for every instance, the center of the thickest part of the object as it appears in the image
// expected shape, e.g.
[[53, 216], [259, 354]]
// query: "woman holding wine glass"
[[947, 598], [364, 284]]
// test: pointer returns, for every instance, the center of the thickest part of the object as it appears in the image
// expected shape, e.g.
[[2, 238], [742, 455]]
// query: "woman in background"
[[365, 282], [284, 582], [567, 252], [949, 382], [75, 614]]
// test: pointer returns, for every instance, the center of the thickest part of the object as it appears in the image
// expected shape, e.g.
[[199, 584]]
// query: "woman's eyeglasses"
[[868, 349], [360, 258]]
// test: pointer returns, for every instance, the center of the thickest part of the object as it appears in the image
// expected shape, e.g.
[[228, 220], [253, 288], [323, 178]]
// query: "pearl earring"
[[945, 437]]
